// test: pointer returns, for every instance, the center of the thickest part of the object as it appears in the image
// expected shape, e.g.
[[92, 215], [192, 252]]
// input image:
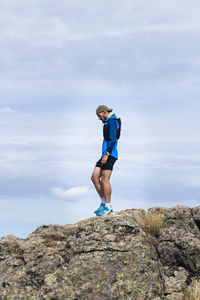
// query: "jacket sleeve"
[[112, 129]]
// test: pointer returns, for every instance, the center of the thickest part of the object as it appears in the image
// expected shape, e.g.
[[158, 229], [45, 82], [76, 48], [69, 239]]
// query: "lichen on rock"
[[108, 257]]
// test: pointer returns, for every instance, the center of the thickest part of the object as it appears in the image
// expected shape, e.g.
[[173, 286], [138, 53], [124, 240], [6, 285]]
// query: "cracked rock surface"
[[108, 257]]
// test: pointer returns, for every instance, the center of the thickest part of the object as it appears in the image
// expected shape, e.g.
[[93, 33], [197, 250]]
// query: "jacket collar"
[[111, 116]]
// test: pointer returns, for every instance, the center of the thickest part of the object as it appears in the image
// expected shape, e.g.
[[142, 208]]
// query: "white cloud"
[[40, 47], [6, 110], [72, 193]]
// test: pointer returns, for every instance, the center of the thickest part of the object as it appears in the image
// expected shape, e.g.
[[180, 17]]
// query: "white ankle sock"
[[103, 200], [108, 205]]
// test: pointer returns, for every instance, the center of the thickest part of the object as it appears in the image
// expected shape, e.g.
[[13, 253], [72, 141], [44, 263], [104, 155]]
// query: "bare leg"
[[106, 184], [96, 179]]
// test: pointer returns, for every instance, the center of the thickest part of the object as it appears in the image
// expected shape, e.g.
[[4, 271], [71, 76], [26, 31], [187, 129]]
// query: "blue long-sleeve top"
[[111, 145]]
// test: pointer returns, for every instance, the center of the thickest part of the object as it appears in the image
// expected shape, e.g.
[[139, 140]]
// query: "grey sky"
[[59, 60]]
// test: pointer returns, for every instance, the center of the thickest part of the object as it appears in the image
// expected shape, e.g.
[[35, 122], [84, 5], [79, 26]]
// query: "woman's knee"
[[104, 178], [94, 178]]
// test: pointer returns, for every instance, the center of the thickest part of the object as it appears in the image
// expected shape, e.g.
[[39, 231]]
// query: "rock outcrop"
[[108, 257]]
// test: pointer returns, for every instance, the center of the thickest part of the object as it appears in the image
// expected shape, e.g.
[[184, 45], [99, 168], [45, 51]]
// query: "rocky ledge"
[[108, 257]]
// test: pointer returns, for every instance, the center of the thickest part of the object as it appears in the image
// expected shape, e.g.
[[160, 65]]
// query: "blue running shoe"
[[105, 210], [100, 208]]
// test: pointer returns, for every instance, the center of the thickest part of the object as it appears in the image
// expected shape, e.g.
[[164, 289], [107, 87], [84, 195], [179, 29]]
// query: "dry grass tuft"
[[193, 292], [152, 222]]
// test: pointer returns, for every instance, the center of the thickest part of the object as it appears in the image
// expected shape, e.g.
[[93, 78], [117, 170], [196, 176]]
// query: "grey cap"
[[102, 108]]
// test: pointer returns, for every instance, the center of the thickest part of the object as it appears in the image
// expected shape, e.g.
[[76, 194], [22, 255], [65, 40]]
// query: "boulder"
[[107, 257]]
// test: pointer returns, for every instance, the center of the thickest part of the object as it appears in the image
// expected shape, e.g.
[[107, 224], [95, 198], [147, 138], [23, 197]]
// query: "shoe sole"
[[97, 211], [105, 213]]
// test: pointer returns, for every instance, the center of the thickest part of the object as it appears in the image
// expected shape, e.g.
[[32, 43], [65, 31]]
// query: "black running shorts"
[[108, 165]]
